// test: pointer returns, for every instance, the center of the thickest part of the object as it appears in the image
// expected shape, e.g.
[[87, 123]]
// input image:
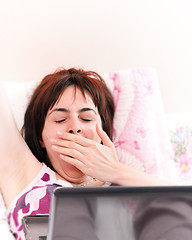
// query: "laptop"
[[121, 213], [35, 227]]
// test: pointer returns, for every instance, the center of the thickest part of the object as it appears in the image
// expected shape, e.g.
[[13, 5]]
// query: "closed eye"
[[60, 121], [86, 120]]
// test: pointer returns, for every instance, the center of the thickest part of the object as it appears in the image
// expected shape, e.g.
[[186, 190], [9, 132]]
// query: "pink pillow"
[[141, 137]]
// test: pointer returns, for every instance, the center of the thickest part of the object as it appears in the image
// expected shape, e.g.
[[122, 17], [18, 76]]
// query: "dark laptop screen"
[[118, 213]]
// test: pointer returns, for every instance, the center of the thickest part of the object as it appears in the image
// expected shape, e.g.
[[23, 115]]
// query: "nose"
[[75, 131], [74, 127]]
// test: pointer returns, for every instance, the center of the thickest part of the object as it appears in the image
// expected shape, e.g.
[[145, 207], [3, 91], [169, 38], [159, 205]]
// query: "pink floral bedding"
[[141, 137]]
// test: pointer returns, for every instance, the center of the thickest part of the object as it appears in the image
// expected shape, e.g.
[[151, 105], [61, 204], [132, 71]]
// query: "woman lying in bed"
[[68, 142]]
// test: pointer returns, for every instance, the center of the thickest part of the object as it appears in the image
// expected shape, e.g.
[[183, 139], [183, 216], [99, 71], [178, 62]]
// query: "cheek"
[[45, 140], [91, 133], [49, 131], [47, 134], [46, 143]]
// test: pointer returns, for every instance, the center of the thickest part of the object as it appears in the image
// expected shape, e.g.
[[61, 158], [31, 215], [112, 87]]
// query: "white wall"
[[102, 35]]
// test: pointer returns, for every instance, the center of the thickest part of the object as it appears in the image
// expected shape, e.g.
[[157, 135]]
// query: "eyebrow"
[[67, 111]]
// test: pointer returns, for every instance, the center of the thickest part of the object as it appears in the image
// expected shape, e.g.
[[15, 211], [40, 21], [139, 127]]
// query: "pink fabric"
[[140, 134], [34, 200]]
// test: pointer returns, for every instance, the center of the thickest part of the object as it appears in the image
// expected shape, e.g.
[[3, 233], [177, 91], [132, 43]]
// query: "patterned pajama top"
[[33, 200]]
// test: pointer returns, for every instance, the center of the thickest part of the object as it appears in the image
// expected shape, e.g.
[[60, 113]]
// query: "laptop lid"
[[119, 213], [35, 227]]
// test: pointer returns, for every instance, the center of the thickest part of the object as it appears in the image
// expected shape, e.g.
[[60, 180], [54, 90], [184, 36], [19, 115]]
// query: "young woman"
[[68, 142]]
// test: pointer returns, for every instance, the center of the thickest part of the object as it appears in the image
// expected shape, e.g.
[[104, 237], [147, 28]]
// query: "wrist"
[[128, 176], [120, 176]]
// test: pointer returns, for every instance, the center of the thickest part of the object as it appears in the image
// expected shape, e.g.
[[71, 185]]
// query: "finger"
[[75, 162], [104, 137], [68, 144], [73, 153], [75, 138]]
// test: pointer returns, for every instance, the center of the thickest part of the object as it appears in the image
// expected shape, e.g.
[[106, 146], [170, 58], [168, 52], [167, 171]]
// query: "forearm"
[[128, 176]]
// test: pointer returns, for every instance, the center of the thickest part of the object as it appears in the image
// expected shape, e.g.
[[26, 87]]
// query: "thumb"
[[104, 137]]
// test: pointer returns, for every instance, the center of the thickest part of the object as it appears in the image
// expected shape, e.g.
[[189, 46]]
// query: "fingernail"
[[59, 133], [54, 147], [53, 140], [99, 126]]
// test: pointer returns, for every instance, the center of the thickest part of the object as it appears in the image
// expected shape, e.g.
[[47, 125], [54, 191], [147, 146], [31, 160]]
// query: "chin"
[[70, 172]]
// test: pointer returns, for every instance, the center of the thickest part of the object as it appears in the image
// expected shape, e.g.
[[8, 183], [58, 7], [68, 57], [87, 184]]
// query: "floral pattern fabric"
[[181, 139], [140, 134]]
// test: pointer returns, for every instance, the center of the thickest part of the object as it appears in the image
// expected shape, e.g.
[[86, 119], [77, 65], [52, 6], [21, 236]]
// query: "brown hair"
[[48, 93]]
